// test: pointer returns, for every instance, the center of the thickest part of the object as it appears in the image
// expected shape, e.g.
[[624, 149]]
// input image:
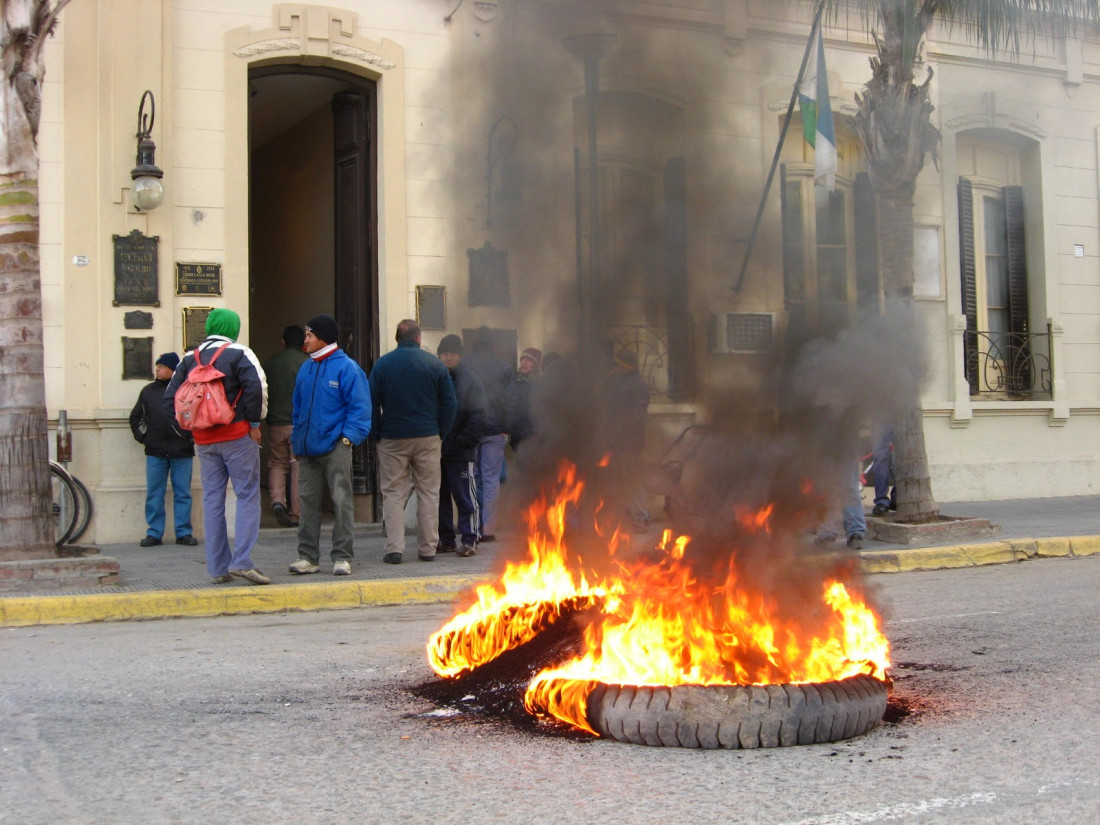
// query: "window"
[[993, 270], [830, 253]]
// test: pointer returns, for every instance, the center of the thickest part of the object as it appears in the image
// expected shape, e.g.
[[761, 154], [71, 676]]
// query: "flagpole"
[[779, 147]]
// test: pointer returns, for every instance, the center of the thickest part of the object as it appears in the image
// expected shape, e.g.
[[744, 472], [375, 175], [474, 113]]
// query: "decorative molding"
[[486, 10], [973, 119], [254, 49], [363, 55]]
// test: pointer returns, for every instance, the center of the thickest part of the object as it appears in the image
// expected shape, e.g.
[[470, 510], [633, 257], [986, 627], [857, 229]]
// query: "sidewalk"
[[171, 581]]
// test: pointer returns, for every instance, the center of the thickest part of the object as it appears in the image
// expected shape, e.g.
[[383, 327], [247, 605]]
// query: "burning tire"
[[737, 716]]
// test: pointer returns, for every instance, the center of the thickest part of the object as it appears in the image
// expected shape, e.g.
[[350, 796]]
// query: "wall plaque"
[[138, 320], [198, 279], [488, 277], [431, 307], [194, 326], [136, 269], [137, 358]]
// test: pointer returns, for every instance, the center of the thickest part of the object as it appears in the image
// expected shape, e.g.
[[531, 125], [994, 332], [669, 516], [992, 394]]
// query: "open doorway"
[[313, 216]]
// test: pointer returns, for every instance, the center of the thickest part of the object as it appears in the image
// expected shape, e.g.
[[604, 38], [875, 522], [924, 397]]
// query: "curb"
[[280, 598]]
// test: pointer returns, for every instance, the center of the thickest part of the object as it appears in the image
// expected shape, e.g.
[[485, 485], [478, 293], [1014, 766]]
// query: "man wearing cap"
[[457, 477], [332, 414], [229, 452], [519, 417], [414, 406], [168, 454]]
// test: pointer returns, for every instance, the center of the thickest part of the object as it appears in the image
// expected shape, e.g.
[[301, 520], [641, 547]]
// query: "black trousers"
[[458, 481]]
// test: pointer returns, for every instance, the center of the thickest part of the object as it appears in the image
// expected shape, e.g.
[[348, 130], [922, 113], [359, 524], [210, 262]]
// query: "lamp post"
[[147, 192], [591, 49]]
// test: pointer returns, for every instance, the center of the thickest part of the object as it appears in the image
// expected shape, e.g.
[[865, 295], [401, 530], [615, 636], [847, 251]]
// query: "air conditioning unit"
[[741, 332]]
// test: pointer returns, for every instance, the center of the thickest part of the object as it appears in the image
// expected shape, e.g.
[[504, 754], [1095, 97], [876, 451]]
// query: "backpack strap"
[[221, 349]]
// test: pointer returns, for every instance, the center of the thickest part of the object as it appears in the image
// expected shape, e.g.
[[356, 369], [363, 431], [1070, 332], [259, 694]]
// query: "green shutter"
[[967, 272], [1019, 378]]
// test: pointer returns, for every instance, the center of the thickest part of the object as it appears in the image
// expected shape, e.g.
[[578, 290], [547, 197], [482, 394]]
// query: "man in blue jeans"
[[169, 453], [229, 452], [495, 375]]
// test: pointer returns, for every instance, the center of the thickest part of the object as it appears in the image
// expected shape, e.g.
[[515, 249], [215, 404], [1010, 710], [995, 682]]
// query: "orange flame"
[[657, 624]]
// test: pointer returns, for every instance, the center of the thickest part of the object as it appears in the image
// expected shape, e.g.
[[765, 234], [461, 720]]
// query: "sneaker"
[[221, 579], [880, 510], [149, 541], [445, 547], [855, 542], [253, 575], [282, 516], [392, 558], [303, 566], [186, 541], [341, 568], [466, 551]]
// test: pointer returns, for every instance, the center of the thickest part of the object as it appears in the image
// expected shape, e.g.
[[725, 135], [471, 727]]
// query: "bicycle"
[[72, 504]]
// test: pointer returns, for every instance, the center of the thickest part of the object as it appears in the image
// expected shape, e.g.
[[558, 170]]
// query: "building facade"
[[379, 160]]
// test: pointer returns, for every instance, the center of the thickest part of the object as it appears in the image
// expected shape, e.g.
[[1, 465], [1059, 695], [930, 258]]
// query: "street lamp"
[[591, 49], [147, 192]]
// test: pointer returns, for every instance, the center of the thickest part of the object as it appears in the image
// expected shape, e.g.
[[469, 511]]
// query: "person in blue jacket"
[[332, 414]]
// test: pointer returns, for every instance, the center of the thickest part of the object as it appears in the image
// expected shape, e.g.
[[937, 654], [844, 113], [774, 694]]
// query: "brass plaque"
[[488, 277], [198, 279], [136, 269], [194, 326], [431, 307], [137, 358]]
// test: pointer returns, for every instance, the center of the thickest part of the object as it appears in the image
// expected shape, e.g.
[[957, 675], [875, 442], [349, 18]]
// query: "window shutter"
[[969, 286], [866, 243], [1020, 372]]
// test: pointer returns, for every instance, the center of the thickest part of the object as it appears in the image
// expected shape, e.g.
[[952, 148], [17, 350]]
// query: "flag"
[[817, 115]]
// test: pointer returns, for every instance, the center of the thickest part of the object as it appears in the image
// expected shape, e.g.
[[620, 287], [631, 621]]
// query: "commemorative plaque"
[[194, 326], [138, 320], [137, 358], [488, 277], [198, 279], [431, 307], [136, 269]]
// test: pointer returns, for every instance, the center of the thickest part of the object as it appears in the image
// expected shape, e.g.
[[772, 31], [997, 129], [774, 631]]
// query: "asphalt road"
[[308, 718]]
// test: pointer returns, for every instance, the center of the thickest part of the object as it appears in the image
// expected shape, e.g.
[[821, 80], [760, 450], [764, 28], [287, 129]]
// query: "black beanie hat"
[[325, 328], [450, 343], [170, 360]]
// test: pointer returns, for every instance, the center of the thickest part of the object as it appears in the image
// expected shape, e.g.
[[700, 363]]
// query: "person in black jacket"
[[459, 451], [168, 454]]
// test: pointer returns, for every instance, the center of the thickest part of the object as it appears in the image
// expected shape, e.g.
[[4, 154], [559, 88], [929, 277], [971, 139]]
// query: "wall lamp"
[[147, 192]]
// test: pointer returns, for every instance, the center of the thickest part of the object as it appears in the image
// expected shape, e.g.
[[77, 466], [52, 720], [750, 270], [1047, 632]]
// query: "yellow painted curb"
[[1053, 547], [1085, 545], [162, 604]]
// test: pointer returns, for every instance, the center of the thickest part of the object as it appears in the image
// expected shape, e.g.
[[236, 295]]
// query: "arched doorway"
[[313, 226]]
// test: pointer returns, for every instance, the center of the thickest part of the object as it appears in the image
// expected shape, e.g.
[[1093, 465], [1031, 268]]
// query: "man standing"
[[168, 453], [332, 413], [495, 376], [457, 477], [414, 406], [229, 452], [519, 416], [281, 370]]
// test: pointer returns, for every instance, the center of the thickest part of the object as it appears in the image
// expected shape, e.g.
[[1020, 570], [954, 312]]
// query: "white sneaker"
[[303, 566], [341, 568]]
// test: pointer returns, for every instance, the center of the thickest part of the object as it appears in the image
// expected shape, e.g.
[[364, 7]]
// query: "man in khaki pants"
[[413, 407]]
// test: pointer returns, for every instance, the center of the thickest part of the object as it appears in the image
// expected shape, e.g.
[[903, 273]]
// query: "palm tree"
[[27, 527], [894, 123]]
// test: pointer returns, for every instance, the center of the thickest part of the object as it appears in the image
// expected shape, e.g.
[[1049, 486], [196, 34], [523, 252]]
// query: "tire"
[[66, 502], [86, 508], [737, 716]]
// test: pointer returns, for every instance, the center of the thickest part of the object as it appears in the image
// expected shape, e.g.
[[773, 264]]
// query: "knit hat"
[[450, 343], [170, 360], [325, 328], [223, 322], [534, 354]]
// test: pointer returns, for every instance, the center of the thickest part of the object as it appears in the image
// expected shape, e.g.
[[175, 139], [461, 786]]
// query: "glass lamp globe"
[[147, 193]]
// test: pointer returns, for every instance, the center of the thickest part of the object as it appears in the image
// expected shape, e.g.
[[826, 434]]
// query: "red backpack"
[[200, 400]]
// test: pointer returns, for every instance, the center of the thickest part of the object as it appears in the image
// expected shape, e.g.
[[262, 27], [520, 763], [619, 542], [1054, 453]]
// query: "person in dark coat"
[[495, 375], [169, 453], [281, 370], [457, 476], [518, 409]]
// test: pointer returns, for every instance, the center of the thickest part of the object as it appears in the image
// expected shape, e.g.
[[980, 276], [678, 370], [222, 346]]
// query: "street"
[[309, 718]]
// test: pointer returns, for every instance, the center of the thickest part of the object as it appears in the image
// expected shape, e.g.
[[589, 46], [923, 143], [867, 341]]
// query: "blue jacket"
[[331, 401], [412, 393]]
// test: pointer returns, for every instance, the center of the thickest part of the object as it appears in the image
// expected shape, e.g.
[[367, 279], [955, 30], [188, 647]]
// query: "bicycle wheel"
[[86, 511], [66, 502]]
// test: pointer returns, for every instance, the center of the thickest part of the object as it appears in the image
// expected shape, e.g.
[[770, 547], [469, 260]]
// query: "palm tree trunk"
[[27, 525]]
